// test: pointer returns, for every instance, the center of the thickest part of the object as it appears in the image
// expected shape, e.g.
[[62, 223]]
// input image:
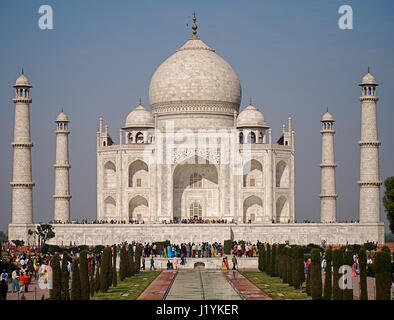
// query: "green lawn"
[[130, 288], [274, 287]]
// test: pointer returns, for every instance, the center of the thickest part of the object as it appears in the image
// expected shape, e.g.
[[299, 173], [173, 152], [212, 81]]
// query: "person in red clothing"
[[26, 281]]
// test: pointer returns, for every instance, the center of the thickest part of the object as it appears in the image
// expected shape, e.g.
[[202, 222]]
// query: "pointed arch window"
[[195, 180]]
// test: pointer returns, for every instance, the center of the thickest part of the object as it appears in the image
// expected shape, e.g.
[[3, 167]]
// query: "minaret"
[[62, 181], [369, 152], [22, 184], [328, 196]]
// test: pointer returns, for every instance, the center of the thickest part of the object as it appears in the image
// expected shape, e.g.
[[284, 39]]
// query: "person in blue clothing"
[[152, 263]]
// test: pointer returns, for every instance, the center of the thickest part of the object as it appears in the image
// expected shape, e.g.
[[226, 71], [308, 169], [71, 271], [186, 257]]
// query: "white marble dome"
[[62, 117], [139, 118], [22, 81], [327, 117], [368, 79], [250, 117], [195, 72]]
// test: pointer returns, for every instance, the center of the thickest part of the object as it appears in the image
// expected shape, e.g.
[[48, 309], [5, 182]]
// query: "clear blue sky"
[[290, 56]]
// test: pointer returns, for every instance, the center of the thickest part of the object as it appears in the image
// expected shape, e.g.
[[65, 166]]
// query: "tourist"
[[15, 284], [175, 263], [3, 289], [143, 262], [152, 263], [21, 282], [235, 263], [4, 278], [354, 269], [26, 280]]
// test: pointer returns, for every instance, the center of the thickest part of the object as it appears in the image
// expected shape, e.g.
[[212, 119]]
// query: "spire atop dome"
[[250, 101], [140, 102], [194, 27], [22, 71]]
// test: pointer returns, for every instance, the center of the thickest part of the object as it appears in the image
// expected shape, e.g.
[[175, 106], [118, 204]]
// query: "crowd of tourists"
[[198, 250]]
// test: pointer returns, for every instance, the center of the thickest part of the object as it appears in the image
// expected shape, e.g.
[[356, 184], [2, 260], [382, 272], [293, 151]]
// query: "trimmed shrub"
[[273, 261], [316, 280], [97, 280], [261, 257], [337, 260], [84, 276], [137, 258], [383, 274], [328, 276], [122, 264], [75, 282], [348, 260], [65, 276], [284, 265], [114, 273], [227, 246], [289, 266], [362, 261], [300, 267], [56, 292], [268, 259], [105, 270]]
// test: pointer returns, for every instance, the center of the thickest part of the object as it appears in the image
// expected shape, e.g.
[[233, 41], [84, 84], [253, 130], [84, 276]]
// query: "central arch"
[[195, 180], [252, 208], [253, 174], [138, 209]]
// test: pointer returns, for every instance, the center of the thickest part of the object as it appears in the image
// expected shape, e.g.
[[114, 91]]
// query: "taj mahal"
[[197, 167]]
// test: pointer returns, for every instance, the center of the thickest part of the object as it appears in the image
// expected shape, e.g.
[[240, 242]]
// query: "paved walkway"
[[202, 285], [35, 293], [246, 288], [158, 288]]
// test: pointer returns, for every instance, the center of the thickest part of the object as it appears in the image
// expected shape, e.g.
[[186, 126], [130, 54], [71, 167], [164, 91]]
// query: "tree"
[[76, 282], [44, 232], [137, 258], [114, 273], [84, 276], [97, 280], [337, 259], [348, 261], [316, 285], [261, 257], [131, 263], [289, 266], [388, 201], [294, 267], [105, 270], [300, 267], [328, 276], [92, 285], [273, 261], [362, 261], [111, 271], [56, 292], [122, 264], [268, 259], [383, 274], [65, 277], [284, 265]]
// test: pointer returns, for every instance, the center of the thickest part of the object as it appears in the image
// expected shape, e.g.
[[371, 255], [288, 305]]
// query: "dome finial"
[[139, 102], [250, 101], [327, 109], [22, 71], [194, 27]]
